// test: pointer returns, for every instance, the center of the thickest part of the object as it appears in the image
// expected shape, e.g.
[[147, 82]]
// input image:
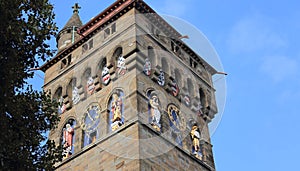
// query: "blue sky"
[[257, 42]]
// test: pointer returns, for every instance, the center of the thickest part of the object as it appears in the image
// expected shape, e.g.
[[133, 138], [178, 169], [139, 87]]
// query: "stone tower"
[[132, 95]]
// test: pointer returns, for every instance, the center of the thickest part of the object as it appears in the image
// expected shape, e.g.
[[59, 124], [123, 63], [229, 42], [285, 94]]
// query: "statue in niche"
[[121, 66], [75, 96], [187, 100], [195, 136], [68, 133], [61, 106], [161, 78], [174, 88], [105, 76], [154, 111], [147, 67], [116, 111], [199, 109], [90, 87]]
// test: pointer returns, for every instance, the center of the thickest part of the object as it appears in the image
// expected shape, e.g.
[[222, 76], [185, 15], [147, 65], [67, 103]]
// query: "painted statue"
[[116, 111], [90, 87], [195, 136], [61, 106], [174, 88], [75, 96], [161, 78], [187, 100], [68, 133], [105, 76], [121, 66], [199, 109], [147, 67], [154, 112]]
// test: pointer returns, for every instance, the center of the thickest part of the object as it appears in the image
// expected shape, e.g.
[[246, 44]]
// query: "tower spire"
[[76, 8]]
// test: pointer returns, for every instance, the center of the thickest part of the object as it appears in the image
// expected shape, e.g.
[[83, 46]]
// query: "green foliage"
[[26, 116]]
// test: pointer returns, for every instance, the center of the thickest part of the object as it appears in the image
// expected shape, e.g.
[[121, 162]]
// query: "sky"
[[257, 44]]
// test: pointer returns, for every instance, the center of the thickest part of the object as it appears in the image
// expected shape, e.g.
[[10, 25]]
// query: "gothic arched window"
[[90, 124], [190, 86], [165, 65], [120, 63], [68, 138], [178, 77], [88, 82], [151, 55], [73, 98], [59, 98], [116, 110], [104, 72]]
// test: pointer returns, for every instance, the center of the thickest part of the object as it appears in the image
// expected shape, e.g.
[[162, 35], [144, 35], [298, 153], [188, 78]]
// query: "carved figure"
[[105, 76], [147, 67], [154, 112], [68, 140], [121, 66], [195, 136]]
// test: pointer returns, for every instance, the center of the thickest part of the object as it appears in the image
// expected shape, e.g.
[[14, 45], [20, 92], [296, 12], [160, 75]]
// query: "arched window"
[[68, 138], [203, 99], [104, 72], [120, 63], [59, 98], [90, 124], [116, 110], [70, 90], [154, 110], [190, 86], [75, 94], [88, 82], [151, 55], [178, 77], [165, 65]]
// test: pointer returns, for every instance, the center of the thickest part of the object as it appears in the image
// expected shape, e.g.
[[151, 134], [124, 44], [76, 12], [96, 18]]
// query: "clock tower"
[[132, 95]]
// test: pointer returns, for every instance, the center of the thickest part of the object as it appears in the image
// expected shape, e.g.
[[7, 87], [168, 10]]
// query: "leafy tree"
[[25, 115]]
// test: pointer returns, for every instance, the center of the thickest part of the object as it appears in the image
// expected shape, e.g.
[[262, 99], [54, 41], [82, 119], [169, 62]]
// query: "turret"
[[68, 34]]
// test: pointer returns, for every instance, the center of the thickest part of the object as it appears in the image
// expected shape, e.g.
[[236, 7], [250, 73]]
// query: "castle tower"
[[132, 95], [68, 34]]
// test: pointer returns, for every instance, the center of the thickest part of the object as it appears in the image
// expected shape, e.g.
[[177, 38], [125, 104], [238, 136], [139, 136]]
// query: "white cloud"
[[280, 68], [254, 33]]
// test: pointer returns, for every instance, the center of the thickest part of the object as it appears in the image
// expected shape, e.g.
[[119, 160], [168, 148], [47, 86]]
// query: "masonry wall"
[[112, 152]]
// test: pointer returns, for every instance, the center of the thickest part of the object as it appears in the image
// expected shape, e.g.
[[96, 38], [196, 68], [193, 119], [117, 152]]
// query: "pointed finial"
[[76, 8]]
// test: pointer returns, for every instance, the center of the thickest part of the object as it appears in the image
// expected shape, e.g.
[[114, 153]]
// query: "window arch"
[[103, 72], [90, 124], [88, 82], [190, 87], [178, 77], [117, 53], [59, 98], [116, 110], [68, 138], [120, 63], [165, 65], [151, 55], [203, 102], [70, 91]]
